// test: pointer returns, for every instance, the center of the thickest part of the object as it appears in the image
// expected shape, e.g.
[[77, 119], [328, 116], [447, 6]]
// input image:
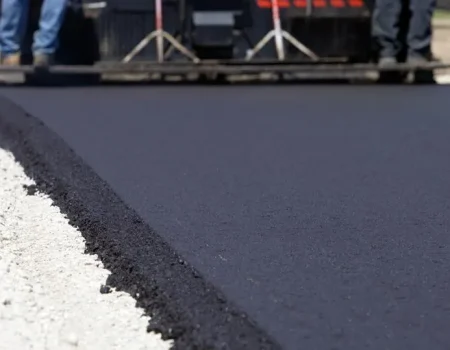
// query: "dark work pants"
[[386, 27]]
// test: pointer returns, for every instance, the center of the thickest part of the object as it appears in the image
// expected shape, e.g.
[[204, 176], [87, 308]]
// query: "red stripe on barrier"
[[337, 3], [267, 4], [300, 3], [319, 3], [356, 3]]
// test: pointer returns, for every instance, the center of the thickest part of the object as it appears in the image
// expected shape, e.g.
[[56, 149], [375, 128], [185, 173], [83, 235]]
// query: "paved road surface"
[[322, 212]]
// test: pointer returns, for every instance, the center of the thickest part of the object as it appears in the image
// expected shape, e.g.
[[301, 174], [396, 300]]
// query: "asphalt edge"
[[183, 306]]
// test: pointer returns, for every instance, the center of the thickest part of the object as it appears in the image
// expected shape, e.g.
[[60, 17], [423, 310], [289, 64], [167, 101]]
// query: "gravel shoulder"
[[183, 305], [49, 289]]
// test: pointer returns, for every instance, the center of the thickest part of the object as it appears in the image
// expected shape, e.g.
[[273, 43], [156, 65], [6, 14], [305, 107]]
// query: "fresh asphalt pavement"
[[321, 211]]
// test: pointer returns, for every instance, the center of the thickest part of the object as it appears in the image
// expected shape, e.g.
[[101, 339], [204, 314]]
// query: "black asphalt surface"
[[323, 212]]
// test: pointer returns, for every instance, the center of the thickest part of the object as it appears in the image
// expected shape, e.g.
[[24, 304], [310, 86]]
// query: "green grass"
[[442, 14]]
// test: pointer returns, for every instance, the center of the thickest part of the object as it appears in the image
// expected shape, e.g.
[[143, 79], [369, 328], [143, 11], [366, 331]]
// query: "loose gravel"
[[52, 294]]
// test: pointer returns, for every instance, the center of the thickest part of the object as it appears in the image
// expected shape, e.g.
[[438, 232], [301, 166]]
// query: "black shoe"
[[421, 76], [41, 60], [388, 74]]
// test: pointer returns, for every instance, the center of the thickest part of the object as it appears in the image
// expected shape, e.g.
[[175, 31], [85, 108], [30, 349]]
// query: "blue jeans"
[[13, 21], [386, 26]]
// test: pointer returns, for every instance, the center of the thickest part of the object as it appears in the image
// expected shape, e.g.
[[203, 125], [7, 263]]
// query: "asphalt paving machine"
[[306, 38]]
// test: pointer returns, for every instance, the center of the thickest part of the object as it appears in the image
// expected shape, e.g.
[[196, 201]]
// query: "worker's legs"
[[420, 28], [13, 21], [46, 38], [385, 27]]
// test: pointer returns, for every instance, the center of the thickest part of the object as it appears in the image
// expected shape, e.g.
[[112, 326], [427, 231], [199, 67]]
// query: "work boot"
[[11, 60], [421, 76], [388, 74], [42, 60], [417, 60], [387, 62]]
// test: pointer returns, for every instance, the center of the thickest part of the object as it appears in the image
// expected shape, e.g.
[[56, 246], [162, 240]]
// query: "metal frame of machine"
[[320, 69], [313, 68]]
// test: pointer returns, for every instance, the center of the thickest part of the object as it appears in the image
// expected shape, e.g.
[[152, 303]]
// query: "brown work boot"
[[42, 60], [12, 59]]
